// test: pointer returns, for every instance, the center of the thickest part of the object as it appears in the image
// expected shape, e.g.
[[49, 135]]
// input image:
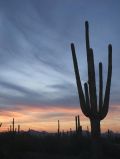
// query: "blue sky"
[[36, 66]]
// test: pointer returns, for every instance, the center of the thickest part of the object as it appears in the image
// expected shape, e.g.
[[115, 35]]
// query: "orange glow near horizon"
[[45, 118]]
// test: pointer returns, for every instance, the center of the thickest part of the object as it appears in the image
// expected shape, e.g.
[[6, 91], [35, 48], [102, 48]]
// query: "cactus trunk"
[[95, 128], [96, 141]]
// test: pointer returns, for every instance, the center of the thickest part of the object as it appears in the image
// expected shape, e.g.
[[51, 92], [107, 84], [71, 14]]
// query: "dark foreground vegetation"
[[72, 146]]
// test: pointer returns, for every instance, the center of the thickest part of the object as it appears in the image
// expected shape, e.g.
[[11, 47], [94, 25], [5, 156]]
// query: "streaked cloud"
[[36, 67]]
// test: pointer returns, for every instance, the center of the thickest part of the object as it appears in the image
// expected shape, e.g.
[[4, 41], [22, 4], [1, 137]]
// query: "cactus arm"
[[78, 81], [92, 83], [87, 37], [87, 97], [87, 45], [100, 87], [91, 71], [108, 84]]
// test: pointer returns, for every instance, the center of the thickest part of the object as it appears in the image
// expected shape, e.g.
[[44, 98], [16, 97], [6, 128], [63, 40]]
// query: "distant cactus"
[[13, 123], [88, 132], [63, 133], [109, 133], [18, 128], [88, 101], [10, 128], [78, 126], [58, 127], [70, 131], [0, 124]]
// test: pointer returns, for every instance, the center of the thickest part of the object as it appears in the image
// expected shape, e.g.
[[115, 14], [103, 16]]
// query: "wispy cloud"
[[35, 58]]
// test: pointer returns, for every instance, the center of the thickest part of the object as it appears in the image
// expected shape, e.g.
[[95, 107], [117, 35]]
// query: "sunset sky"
[[37, 81]]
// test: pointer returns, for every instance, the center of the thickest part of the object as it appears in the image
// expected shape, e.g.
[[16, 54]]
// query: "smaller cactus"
[[0, 124], [88, 132], [63, 133], [109, 133], [13, 123], [18, 128], [79, 126], [76, 124], [58, 127], [10, 128], [70, 131]]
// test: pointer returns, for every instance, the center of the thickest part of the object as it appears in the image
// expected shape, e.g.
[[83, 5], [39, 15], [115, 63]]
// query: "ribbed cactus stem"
[[79, 85], [108, 84], [92, 83]]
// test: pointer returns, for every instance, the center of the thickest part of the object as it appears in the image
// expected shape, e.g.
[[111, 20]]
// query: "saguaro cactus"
[[87, 131], [10, 128], [18, 128], [76, 124], [13, 123], [88, 100], [79, 126], [58, 127]]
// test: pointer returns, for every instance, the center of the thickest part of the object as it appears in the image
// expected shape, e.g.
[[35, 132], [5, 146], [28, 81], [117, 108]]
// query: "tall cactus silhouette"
[[88, 100]]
